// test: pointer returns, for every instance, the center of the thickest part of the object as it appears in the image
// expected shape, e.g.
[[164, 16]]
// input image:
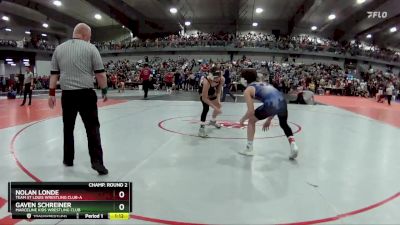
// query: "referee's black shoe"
[[100, 168], [68, 164]]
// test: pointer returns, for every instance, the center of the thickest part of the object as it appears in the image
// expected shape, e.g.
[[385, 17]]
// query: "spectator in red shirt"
[[114, 81], [145, 78], [169, 79], [121, 84]]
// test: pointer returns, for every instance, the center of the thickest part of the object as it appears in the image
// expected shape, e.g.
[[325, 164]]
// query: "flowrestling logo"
[[377, 14]]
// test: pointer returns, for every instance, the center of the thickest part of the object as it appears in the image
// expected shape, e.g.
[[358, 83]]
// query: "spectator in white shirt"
[[389, 92]]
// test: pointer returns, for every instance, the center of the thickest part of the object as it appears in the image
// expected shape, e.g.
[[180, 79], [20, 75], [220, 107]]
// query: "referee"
[[28, 86], [74, 63], [145, 78]]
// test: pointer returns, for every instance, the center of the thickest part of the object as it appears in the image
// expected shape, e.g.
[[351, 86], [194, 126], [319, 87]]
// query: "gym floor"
[[346, 172]]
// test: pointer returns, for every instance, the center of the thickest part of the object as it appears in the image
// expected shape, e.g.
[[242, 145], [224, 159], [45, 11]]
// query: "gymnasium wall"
[[316, 59], [17, 34], [224, 57], [43, 67], [114, 32], [365, 66], [13, 69]]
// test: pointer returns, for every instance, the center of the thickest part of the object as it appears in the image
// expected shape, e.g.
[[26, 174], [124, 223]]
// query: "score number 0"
[[121, 206]]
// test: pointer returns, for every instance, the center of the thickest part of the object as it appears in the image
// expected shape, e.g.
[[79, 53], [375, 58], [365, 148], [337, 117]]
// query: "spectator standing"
[[169, 79], [227, 86], [389, 92], [177, 79]]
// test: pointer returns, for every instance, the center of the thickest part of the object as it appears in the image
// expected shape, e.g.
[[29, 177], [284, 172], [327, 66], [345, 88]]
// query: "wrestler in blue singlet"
[[274, 102]]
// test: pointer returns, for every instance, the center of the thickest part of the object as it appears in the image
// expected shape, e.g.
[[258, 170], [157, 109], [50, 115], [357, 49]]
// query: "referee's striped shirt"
[[76, 61]]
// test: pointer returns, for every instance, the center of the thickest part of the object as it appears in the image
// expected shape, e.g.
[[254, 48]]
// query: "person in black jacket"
[[227, 87]]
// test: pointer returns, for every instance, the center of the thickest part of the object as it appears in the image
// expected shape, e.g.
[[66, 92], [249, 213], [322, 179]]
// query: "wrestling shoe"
[[294, 151], [202, 132], [68, 164], [248, 151], [100, 168], [215, 124]]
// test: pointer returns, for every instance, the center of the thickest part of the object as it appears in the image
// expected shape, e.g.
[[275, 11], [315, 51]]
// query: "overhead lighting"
[[393, 29], [255, 24], [173, 10], [314, 28], [369, 36], [123, 26], [360, 1], [187, 23], [5, 18], [9, 60], [44, 35], [27, 32], [45, 25], [8, 29], [25, 60], [13, 64], [9, 63], [332, 17], [97, 16], [259, 10], [57, 3]]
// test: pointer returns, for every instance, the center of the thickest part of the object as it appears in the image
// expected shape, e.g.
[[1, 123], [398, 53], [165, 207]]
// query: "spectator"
[[227, 86], [389, 92], [145, 78]]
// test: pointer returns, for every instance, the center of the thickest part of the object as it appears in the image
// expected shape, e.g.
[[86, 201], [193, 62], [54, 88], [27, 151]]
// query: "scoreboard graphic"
[[70, 200]]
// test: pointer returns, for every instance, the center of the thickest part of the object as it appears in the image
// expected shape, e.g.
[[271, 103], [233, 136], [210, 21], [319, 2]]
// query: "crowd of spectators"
[[32, 43], [287, 77], [8, 43], [15, 82], [41, 44], [331, 79], [258, 40], [127, 71], [253, 40]]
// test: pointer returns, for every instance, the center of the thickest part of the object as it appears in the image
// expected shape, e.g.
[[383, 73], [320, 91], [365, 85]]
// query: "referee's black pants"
[[146, 85], [27, 90], [85, 102]]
